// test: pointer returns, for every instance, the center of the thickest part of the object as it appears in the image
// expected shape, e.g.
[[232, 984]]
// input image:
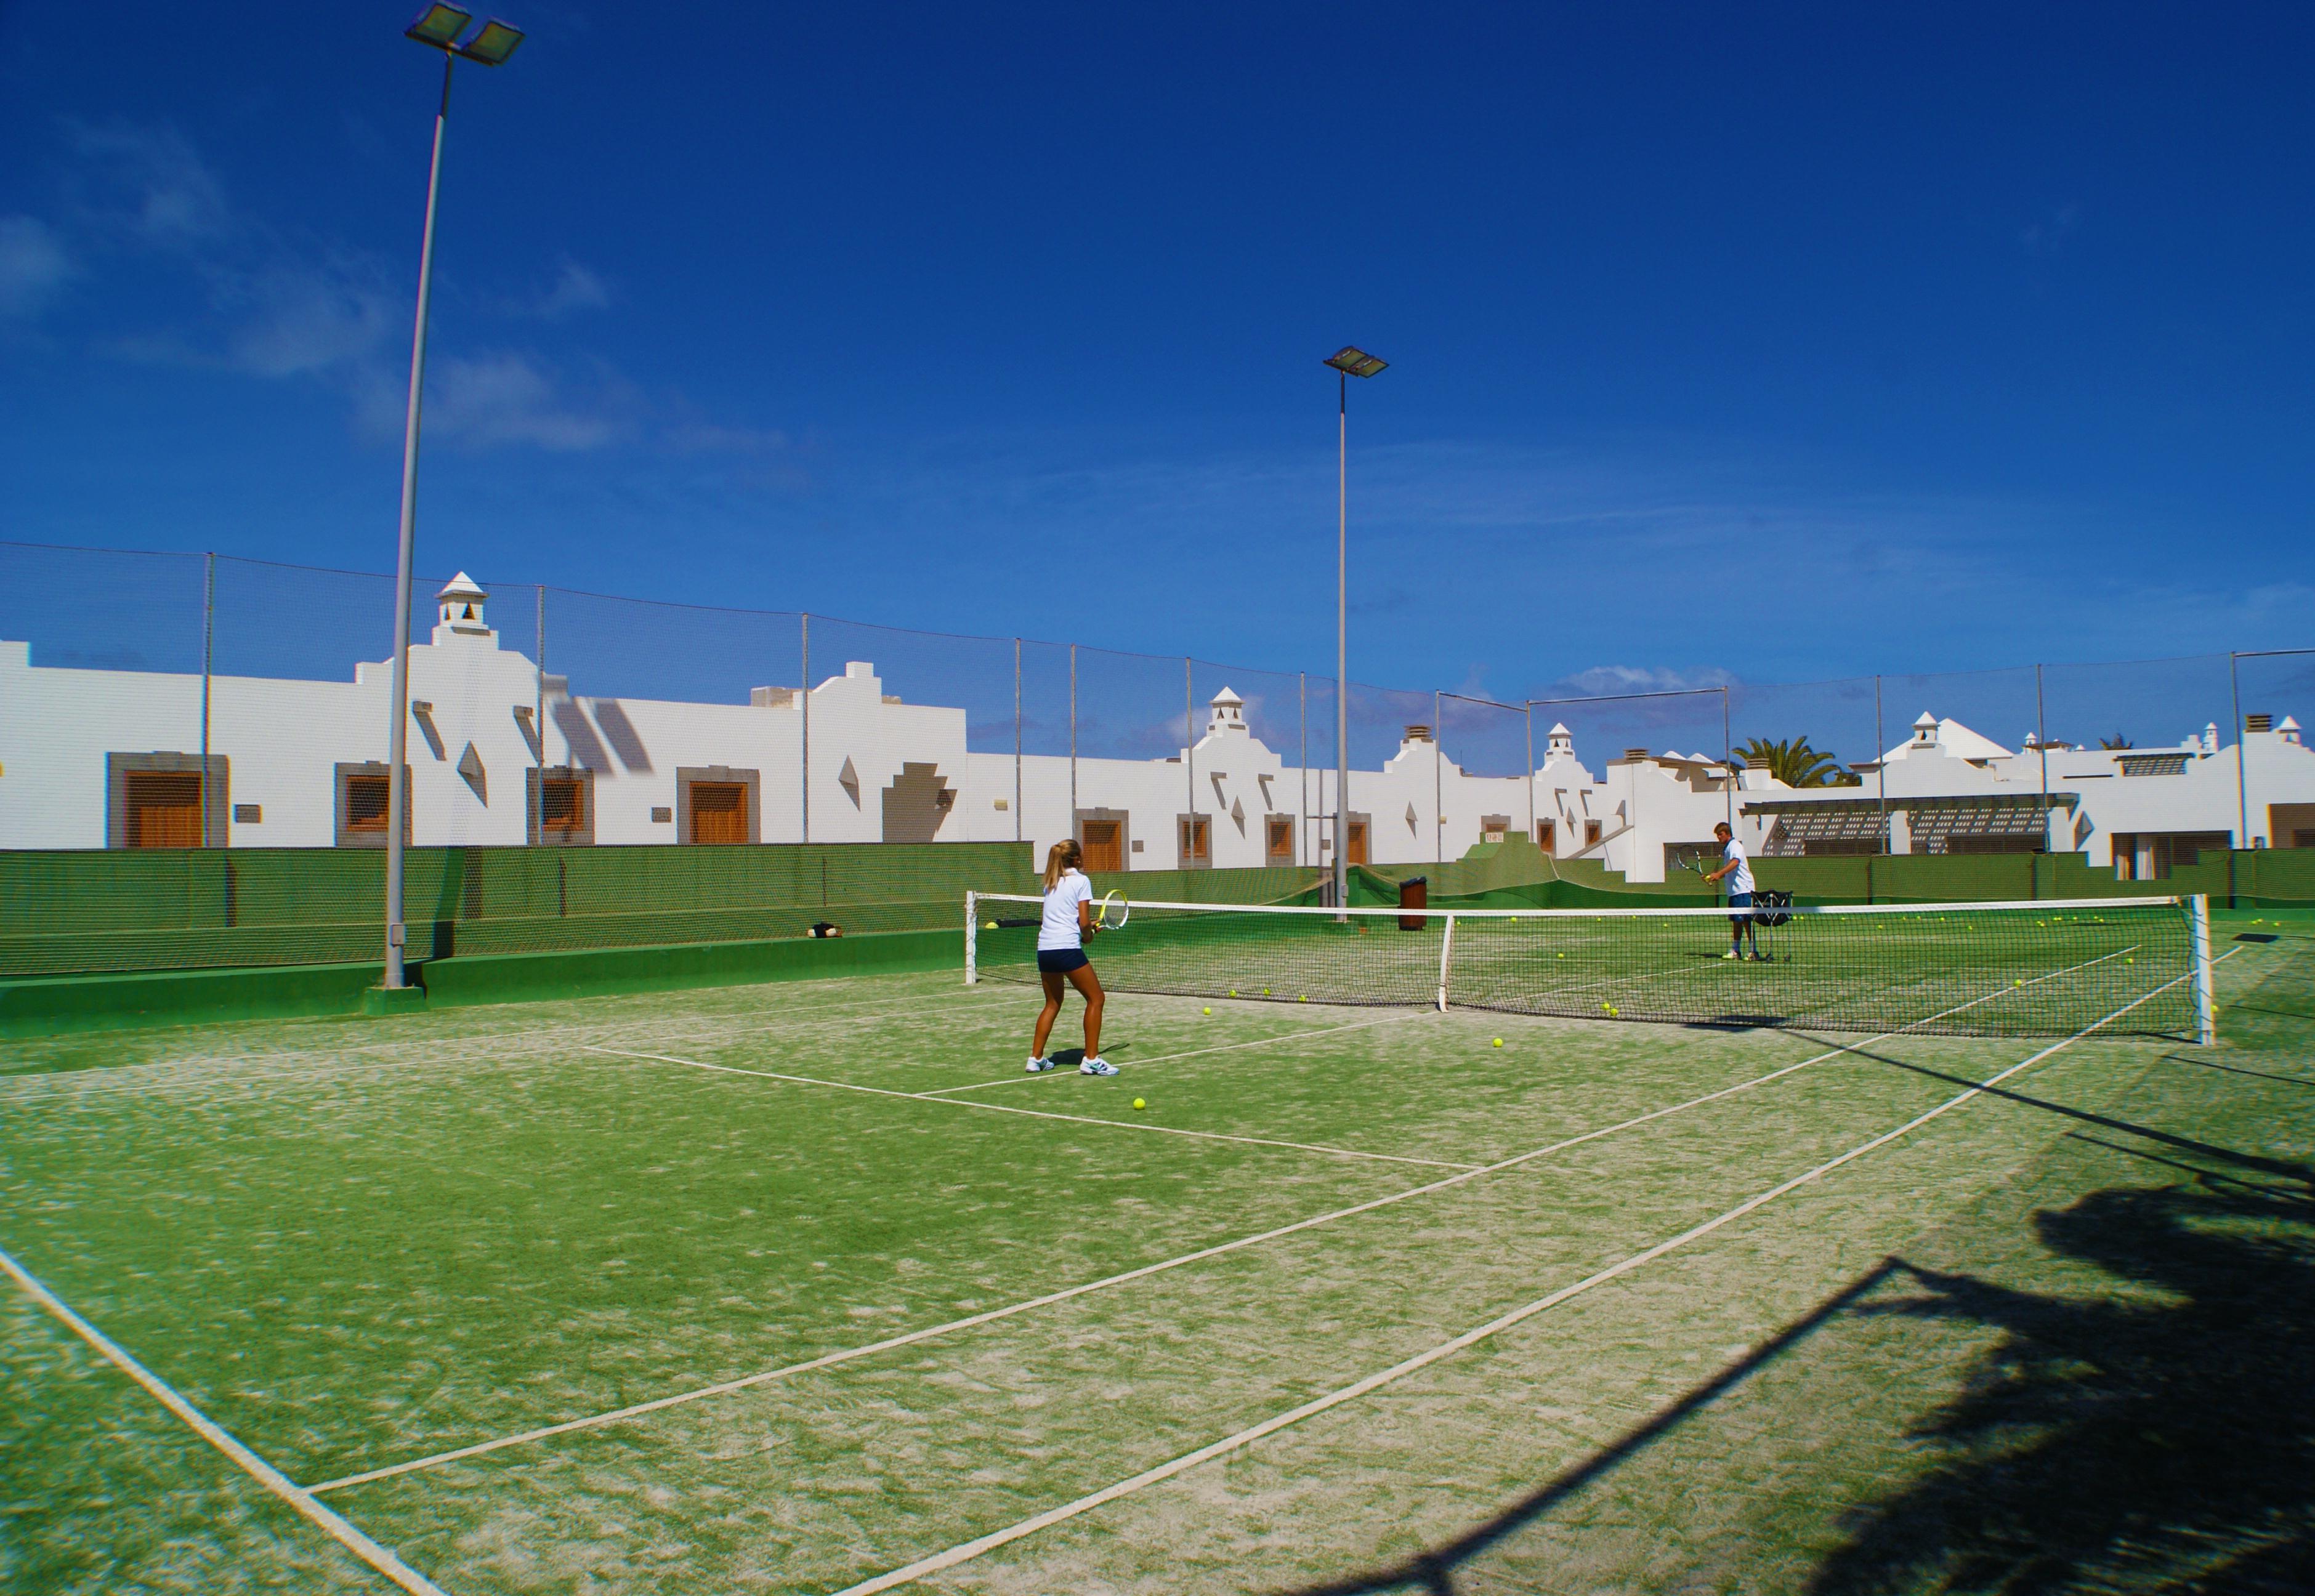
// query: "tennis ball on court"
[[2130, 961], [1233, 992], [1265, 991], [1615, 1014], [1138, 1103], [1607, 1008], [1205, 1011], [2017, 983], [1499, 1042], [1304, 998]]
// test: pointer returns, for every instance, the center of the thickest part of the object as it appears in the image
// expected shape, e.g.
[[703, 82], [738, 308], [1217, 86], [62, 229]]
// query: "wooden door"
[[165, 809], [1102, 846], [1280, 849], [1195, 838], [719, 812], [1544, 830], [1358, 854]]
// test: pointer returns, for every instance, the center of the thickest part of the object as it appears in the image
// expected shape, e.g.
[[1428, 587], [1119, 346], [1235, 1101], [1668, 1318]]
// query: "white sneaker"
[[1039, 1066], [1731, 954], [1097, 1066]]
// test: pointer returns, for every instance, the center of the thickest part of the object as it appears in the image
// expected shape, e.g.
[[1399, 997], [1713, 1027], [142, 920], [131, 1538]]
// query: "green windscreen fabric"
[[68, 913]]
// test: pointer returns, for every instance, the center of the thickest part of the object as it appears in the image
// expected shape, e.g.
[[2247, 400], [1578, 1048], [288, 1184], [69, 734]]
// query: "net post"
[[208, 649], [971, 939], [1446, 953], [2198, 924]]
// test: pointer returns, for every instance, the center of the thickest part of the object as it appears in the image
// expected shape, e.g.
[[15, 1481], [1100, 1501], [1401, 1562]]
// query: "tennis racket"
[[1690, 859], [1114, 912]]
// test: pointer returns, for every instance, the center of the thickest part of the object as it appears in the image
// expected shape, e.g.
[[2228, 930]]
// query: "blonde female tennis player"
[[1061, 960]]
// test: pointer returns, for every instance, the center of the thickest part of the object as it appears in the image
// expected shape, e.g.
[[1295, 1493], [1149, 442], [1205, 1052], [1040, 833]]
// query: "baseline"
[[966, 1551], [299, 1500]]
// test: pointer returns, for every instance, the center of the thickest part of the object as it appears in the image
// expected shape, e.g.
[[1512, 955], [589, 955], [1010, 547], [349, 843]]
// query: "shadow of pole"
[[1433, 1571]]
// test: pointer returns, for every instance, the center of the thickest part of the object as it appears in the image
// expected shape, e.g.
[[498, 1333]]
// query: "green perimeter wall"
[[67, 913]]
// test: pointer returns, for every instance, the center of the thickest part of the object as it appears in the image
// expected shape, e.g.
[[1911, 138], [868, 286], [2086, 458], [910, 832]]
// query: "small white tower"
[[1925, 730], [460, 605], [1560, 744], [2287, 729], [1228, 713]]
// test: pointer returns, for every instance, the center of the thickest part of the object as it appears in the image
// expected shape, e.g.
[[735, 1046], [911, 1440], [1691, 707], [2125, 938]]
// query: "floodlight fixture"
[[439, 25], [1353, 362], [493, 44]]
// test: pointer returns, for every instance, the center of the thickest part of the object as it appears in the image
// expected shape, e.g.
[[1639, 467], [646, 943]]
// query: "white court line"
[[1109, 1283], [1035, 1114], [1289, 1036], [971, 1549], [300, 1500]]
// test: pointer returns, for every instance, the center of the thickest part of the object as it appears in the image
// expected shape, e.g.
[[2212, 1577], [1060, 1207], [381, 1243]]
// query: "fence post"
[[1881, 783], [1017, 740], [1438, 819], [538, 723], [1727, 758], [1073, 741], [804, 739], [2243, 776], [209, 648], [1189, 827], [2042, 747], [2206, 1017], [1302, 772]]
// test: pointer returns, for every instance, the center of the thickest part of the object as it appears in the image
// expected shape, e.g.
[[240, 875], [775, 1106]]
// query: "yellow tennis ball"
[[1499, 1042], [1607, 1008], [1265, 991], [2017, 983], [1615, 1014], [1205, 1011], [1233, 992], [988, 924], [1304, 998], [1138, 1103]]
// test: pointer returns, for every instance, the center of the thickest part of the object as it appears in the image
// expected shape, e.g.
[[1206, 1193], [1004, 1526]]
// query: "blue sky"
[[1776, 342]]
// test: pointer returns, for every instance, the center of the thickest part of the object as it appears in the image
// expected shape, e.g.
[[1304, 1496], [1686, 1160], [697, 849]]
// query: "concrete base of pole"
[[393, 1000]]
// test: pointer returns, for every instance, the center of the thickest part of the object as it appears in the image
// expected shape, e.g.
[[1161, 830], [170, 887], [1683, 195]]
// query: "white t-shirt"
[[1059, 929], [1740, 879]]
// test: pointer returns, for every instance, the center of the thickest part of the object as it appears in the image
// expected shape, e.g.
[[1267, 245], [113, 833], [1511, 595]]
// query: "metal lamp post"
[[1348, 362], [439, 27]]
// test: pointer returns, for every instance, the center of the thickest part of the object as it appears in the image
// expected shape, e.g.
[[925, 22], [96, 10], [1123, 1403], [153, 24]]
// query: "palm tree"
[[2116, 741], [1795, 762]]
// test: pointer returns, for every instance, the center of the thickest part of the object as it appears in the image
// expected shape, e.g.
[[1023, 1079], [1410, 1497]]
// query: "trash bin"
[[1414, 893]]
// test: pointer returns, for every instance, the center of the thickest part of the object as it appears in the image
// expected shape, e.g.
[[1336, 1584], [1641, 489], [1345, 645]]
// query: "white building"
[[501, 754]]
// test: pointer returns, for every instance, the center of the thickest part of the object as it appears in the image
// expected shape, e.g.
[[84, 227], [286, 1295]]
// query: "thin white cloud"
[[509, 398], [149, 184], [576, 287], [34, 265], [2047, 235]]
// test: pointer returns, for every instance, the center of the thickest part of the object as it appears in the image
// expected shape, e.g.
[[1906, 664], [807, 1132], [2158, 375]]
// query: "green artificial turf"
[[359, 1243]]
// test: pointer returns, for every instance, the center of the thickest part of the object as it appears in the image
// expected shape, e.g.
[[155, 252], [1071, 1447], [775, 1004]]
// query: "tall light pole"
[[439, 27], [1348, 362]]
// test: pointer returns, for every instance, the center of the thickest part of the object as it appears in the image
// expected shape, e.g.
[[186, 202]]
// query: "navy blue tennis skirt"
[[1061, 961]]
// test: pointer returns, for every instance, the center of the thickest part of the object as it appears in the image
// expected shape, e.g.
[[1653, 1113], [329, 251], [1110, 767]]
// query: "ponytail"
[[1064, 854]]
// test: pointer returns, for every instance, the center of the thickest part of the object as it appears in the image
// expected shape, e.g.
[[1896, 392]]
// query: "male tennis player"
[[1061, 960], [1738, 870]]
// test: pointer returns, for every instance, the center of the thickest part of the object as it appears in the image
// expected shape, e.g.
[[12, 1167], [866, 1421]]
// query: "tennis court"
[[809, 1288]]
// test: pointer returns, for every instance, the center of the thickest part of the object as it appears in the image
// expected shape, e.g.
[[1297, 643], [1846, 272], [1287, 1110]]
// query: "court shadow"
[[2159, 1441], [2156, 1435], [1436, 1570]]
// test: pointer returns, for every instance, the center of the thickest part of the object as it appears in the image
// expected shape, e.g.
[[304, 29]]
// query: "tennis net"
[[2019, 969]]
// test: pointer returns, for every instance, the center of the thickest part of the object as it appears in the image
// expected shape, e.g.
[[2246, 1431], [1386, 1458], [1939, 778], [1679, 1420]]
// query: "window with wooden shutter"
[[1357, 851], [165, 809], [1196, 839], [563, 805], [1279, 833], [1102, 845], [719, 812], [368, 800]]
